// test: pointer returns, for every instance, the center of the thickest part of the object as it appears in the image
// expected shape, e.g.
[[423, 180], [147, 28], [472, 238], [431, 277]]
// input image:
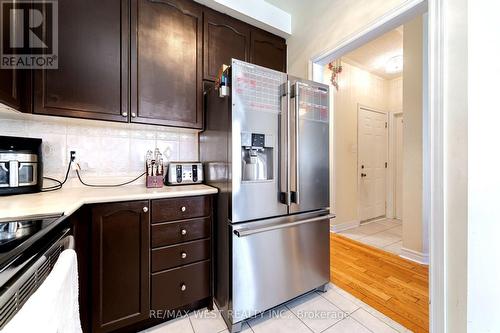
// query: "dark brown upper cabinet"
[[166, 62], [10, 88], [120, 265], [268, 50], [13, 89], [223, 38], [92, 78]]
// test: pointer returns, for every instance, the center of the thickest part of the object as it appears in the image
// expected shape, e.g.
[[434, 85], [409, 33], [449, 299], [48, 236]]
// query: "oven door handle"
[[250, 231]]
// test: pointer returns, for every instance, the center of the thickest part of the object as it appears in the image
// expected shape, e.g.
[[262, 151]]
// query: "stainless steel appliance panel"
[[277, 260], [256, 109], [309, 142], [21, 167], [184, 173]]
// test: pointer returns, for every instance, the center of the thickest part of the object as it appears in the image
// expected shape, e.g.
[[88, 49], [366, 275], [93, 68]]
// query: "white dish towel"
[[53, 308]]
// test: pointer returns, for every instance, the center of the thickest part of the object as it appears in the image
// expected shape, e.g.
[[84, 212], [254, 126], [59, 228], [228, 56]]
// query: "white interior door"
[[372, 158], [398, 172]]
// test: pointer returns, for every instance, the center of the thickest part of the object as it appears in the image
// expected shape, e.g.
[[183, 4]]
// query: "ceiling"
[[285, 5], [374, 55]]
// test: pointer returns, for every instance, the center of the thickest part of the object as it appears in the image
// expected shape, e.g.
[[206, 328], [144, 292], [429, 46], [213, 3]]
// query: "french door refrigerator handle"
[[296, 197], [285, 196], [248, 231]]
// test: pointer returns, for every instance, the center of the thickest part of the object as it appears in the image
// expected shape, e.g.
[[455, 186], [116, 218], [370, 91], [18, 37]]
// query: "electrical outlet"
[[72, 155]]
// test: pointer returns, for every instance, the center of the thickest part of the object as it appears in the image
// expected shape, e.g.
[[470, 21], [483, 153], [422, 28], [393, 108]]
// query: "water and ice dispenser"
[[257, 157]]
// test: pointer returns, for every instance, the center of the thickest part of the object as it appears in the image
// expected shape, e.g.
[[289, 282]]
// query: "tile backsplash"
[[104, 149]]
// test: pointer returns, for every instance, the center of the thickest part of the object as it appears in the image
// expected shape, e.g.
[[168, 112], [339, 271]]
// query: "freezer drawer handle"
[[247, 232]]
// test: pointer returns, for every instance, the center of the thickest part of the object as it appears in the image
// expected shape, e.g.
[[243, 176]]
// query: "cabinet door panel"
[[9, 88], [15, 89], [268, 50], [223, 38], [120, 265], [167, 63], [92, 78]]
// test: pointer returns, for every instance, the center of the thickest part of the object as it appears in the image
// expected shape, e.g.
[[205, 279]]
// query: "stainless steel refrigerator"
[[266, 148]]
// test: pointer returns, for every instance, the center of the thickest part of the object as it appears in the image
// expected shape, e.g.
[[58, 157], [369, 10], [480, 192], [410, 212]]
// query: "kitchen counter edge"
[[67, 201]]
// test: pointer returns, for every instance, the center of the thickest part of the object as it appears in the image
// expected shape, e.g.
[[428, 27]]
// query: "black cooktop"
[[19, 234]]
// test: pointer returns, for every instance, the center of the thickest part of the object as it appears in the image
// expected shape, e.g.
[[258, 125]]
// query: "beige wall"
[[320, 27], [412, 135], [455, 118], [395, 95], [356, 86]]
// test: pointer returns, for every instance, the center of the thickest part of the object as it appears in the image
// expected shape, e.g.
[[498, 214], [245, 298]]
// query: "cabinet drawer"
[[177, 255], [180, 286], [170, 233], [180, 208]]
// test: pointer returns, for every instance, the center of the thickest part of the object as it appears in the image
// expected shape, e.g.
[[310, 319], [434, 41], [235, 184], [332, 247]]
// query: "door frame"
[[392, 157], [434, 125], [368, 108]]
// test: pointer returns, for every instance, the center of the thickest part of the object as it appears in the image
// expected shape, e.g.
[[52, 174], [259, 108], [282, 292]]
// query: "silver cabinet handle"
[[184, 255], [184, 232], [247, 231], [124, 114], [183, 208], [183, 287], [133, 114], [145, 209]]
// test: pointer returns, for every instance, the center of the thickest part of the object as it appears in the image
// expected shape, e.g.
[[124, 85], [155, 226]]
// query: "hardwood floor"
[[395, 286]]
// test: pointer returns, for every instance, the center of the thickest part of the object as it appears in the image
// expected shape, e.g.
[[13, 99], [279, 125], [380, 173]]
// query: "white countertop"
[[67, 200]]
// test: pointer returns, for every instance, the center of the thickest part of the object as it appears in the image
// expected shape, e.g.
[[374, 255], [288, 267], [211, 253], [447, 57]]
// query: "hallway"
[[385, 234]]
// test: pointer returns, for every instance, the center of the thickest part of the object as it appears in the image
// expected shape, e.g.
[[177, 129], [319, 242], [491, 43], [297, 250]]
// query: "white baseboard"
[[418, 257], [344, 226]]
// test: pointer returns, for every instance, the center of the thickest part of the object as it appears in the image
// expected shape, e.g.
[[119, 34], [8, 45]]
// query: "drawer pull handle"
[[184, 232], [183, 208], [145, 209], [183, 287], [184, 255]]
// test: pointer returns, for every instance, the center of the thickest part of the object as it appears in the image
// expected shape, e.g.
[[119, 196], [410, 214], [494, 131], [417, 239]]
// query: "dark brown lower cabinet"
[[134, 269], [120, 265], [177, 287], [181, 253]]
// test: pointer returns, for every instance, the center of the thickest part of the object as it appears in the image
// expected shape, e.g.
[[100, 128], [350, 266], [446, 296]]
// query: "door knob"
[[145, 209], [363, 175]]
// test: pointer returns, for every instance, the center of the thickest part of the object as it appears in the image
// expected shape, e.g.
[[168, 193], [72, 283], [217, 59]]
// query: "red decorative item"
[[336, 68]]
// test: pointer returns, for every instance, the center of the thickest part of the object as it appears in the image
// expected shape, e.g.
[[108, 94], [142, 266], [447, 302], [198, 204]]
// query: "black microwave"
[[21, 167]]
